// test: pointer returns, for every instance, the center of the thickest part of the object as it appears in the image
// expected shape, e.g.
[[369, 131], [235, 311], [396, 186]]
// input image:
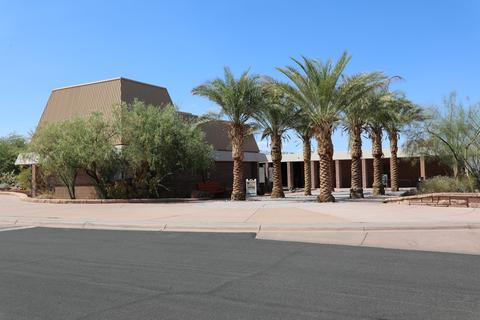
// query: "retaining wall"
[[470, 200]]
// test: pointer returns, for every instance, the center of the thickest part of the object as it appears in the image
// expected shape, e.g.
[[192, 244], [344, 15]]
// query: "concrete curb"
[[232, 227], [26, 198]]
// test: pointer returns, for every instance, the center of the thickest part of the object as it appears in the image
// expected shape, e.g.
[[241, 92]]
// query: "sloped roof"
[[102, 97], [216, 133]]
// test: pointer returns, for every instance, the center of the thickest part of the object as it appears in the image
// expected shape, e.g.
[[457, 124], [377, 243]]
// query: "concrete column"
[[34, 180], [338, 174], [314, 174], [290, 175], [364, 174], [423, 171], [255, 170]]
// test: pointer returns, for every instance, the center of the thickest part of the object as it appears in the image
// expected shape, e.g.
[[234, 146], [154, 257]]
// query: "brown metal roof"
[[216, 133], [103, 96], [148, 93], [82, 100]]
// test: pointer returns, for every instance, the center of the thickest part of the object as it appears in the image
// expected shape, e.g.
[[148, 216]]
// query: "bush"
[[78, 144], [10, 147], [159, 146], [8, 179], [156, 146], [448, 184], [24, 179]]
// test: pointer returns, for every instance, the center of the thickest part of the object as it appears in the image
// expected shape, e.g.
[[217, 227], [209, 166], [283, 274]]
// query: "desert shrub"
[[78, 144], [10, 147], [120, 189], [24, 179], [448, 184], [159, 146], [8, 180]]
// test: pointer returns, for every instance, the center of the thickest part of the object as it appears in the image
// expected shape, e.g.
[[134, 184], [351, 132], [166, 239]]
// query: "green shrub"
[[24, 179], [8, 179], [448, 184], [10, 147]]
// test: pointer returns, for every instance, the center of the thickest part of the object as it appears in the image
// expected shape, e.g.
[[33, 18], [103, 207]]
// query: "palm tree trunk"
[[324, 139], [356, 188], [332, 164], [277, 189], [378, 187], [393, 137], [307, 154], [238, 186]]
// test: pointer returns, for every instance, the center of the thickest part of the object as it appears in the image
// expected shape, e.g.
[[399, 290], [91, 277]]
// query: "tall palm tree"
[[303, 128], [275, 117], [377, 116], [315, 89], [238, 99], [401, 112], [354, 117]]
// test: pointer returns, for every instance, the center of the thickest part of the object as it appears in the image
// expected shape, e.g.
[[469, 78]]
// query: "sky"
[[433, 45]]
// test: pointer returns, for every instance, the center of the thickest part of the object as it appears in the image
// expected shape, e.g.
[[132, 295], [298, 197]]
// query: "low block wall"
[[468, 200]]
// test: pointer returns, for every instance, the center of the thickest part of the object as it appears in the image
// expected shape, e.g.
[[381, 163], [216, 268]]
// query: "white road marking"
[[6, 228]]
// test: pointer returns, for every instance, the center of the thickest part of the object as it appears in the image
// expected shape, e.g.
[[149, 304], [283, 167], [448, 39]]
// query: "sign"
[[251, 185], [384, 179]]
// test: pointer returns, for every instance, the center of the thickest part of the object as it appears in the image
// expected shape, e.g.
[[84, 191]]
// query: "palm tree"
[[353, 121], [303, 128], [275, 117], [315, 89], [238, 99], [401, 112], [377, 116]]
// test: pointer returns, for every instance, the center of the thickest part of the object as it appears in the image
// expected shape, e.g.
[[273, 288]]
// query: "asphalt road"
[[90, 274]]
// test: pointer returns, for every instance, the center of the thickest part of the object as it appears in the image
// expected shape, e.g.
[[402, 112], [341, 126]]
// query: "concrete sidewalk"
[[296, 218]]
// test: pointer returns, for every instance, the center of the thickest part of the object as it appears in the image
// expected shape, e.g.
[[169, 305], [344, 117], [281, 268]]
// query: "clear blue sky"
[[434, 45]]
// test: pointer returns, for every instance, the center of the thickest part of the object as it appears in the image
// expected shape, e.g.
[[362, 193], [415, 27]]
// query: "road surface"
[[101, 274]]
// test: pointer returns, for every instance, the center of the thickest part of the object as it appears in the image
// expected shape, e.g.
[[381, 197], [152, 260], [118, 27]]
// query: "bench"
[[212, 187]]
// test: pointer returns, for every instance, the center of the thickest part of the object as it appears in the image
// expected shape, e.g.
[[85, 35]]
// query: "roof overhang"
[[247, 156]]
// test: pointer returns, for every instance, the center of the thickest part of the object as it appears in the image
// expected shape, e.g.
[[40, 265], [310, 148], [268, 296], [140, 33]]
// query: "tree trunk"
[[99, 182], [393, 137], [307, 154], [378, 187], [277, 189], [323, 139], [332, 163], [356, 188], [237, 133], [69, 182]]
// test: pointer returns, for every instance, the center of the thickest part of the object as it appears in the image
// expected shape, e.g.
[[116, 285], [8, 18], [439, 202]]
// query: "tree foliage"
[[277, 113], [143, 148], [10, 147], [451, 133], [160, 144], [98, 156], [78, 144], [58, 150], [239, 99]]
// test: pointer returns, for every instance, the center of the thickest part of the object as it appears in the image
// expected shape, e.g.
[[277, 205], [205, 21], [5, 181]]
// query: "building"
[[411, 169], [103, 96]]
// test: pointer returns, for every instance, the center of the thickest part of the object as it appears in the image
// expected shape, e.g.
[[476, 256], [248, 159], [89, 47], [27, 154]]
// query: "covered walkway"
[[411, 169]]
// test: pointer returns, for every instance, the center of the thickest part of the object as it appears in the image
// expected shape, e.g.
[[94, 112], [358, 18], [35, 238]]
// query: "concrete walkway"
[[296, 218]]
